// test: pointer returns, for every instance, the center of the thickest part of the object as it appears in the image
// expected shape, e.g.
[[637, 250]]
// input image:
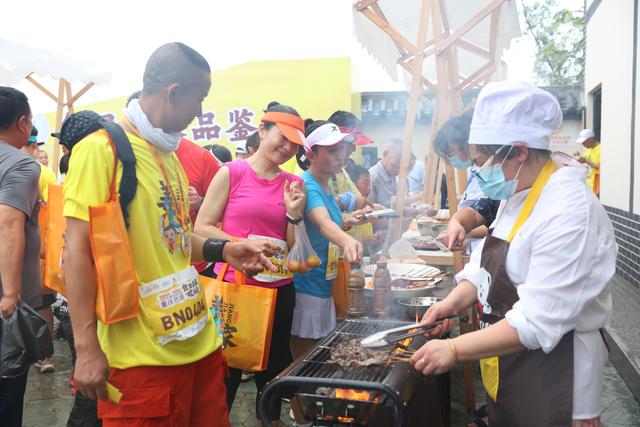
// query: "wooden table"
[[435, 258]]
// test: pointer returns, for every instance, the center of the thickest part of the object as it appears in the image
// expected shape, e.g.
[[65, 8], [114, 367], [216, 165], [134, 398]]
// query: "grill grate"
[[315, 365]]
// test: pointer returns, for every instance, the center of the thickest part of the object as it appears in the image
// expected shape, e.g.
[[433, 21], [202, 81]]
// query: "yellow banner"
[[238, 96]]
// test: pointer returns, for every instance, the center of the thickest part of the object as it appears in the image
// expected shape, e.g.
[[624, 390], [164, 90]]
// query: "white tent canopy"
[[403, 16], [17, 61]]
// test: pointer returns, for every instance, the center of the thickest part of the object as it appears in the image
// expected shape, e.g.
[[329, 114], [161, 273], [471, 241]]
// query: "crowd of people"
[[536, 277]]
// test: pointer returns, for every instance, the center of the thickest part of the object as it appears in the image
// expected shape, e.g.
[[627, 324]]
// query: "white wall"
[[565, 139], [636, 195], [382, 133], [609, 63]]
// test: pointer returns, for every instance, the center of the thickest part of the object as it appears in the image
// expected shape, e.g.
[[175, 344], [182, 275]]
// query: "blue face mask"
[[493, 183], [457, 163]]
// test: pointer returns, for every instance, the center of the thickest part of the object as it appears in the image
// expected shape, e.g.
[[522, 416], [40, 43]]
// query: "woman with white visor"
[[539, 279], [322, 156]]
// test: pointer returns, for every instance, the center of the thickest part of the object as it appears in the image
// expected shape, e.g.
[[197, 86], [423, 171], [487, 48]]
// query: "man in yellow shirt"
[[591, 157], [46, 175], [167, 361]]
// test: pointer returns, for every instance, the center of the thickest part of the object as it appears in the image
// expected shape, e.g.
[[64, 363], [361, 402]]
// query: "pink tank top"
[[255, 207]]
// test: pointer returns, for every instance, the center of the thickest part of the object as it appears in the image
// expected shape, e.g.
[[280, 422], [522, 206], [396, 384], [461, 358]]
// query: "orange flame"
[[343, 393]]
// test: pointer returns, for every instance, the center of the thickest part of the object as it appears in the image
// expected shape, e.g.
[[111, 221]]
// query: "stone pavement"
[[48, 399], [624, 333]]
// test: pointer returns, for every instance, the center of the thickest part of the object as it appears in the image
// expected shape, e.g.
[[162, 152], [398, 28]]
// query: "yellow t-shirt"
[[593, 155], [155, 252], [341, 183], [46, 177]]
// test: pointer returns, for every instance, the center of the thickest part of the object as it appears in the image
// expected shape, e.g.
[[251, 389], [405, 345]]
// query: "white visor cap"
[[508, 112], [326, 135]]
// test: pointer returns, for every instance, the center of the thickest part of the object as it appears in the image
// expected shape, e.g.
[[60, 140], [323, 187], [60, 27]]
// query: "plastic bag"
[[402, 249], [25, 340], [302, 257]]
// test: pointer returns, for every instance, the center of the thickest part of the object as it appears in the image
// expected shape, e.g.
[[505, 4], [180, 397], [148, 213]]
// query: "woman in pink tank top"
[[255, 199]]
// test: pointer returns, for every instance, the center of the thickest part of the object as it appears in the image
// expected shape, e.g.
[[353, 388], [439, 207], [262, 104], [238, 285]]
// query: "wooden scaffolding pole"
[[412, 110], [65, 98], [59, 112], [449, 88]]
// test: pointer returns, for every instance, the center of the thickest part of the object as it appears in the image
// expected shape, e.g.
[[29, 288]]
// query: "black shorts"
[[47, 301]]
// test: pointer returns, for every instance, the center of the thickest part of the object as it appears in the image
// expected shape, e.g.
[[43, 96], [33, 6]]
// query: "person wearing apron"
[[540, 278]]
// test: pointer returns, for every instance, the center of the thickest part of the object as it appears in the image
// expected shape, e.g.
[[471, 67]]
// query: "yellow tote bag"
[[117, 296], [244, 317], [55, 229]]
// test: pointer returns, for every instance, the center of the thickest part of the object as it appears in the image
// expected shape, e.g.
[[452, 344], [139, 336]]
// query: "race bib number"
[[333, 256], [175, 305], [279, 260]]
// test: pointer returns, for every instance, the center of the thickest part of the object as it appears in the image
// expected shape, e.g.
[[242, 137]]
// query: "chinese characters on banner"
[[208, 129], [240, 126]]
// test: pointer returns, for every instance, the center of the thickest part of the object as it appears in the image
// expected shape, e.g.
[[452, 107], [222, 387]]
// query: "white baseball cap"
[[327, 135], [508, 112], [584, 135]]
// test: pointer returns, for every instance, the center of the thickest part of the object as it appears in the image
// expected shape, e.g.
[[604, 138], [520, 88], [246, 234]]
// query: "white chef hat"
[[509, 112]]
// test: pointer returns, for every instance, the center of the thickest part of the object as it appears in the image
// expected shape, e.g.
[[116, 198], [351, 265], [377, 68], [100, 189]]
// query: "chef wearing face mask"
[[540, 279]]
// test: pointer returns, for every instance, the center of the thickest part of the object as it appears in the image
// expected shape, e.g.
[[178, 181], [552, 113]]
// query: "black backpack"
[[129, 180], [80, 124]]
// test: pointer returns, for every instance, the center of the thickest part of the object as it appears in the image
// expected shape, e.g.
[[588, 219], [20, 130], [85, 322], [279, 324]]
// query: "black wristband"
[[292, 220], [212, 250]]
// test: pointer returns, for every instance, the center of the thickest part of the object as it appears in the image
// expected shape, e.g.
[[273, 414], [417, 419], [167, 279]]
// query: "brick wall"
[[627, 229]]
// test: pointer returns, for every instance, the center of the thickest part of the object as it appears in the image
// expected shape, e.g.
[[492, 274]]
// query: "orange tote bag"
[[117, 296], [244, 317]]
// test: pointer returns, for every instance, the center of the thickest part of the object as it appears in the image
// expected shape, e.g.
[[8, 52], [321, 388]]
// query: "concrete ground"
[[48, 399]]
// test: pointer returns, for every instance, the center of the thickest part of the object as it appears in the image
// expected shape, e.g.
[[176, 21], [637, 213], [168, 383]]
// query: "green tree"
[[560, 40]]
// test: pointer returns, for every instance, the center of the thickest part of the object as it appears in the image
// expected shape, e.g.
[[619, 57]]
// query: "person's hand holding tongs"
[[436, 322], [437, 355]]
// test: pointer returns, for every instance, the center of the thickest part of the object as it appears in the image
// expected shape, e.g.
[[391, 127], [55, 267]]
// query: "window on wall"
[[597, 111]]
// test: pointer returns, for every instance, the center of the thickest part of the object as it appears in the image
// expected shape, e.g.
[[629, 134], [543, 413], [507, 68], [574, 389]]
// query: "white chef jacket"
[[561, 261]]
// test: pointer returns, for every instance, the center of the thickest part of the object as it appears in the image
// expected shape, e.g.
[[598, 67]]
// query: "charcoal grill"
[[312, 381]]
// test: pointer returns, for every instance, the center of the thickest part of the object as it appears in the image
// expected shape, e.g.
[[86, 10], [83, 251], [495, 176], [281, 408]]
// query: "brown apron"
[[535, 389], [529, 388]]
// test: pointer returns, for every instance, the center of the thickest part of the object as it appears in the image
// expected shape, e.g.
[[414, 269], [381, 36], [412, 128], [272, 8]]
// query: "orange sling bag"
[[117, 296]]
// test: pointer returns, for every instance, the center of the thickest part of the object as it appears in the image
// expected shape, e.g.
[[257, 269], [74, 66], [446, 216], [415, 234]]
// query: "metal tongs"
[[391, 336]]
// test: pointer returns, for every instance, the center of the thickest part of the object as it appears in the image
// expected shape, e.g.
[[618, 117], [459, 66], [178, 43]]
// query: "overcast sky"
[[119, 36]]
